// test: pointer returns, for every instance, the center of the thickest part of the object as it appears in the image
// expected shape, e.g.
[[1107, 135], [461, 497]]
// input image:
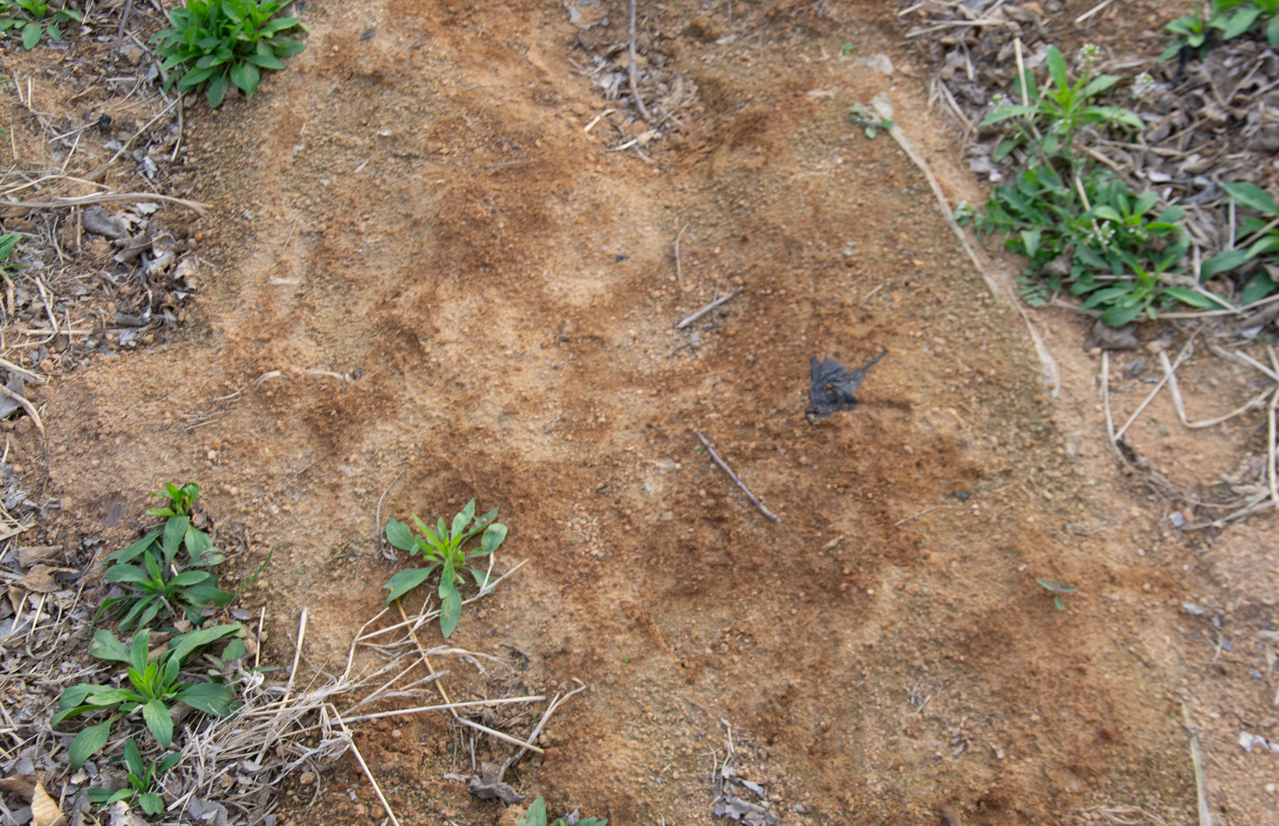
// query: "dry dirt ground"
[[415, 203]]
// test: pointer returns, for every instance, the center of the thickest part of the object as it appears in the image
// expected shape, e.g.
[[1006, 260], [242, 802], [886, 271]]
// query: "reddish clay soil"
[[421, 208]]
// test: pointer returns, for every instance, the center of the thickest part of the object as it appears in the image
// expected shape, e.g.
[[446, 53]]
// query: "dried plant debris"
[[833, 385]]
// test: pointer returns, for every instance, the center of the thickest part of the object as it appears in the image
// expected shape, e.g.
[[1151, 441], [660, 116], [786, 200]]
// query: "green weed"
[[1231, 18], [217, 44], [161, 582], [870, 124], [1266, 232], [142, 780], [443, 548], [34, 19], [1057, 589], [156, 687], [536, 816]]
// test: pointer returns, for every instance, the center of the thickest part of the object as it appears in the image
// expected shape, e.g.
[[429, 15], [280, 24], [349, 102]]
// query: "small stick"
[[1081, 18], [377, 524], [1021, 72], [716, 303], [439, 685], [449, 707], [297, 655], [1150, 397], [32, 377], [360, 758], [639, 102], [257, 654], [679, 267], [758, 504], [598, 118], [1105, 395], [103, 197], [537, 730], [515, 741], [177, 144], [26, 405], [901, 522], [290, 236], [1197, 761], [1169, 372]]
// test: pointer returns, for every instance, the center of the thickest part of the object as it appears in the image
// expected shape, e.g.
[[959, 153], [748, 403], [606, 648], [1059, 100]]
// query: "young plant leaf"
[[406, 581], [88, 743]]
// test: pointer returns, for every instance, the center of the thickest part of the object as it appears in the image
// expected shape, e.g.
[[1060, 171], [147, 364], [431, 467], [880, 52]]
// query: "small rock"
[[881, 63], [307, 778]]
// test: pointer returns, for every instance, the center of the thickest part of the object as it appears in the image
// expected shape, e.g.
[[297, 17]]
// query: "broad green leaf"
[[216, 92], [481, 577], [158, 722], [289, 47], [1257, 288], [31, 35], [1030, 240], [105, 646], [75, 695], [1223, 261], [139, 649], [192, 640], [170, 760], [194, 78], [1100, 84], [1240, 22], [406, 581], [536, 814], [1272, 31], [1251, 196], [133, 758], [1193, 298], [1057, 68], [174, 531], [55, 33], [190, 578], [1145, 201], [399, 535], [1116, 115], [493, 538], [246, 76], [197, 543], [462, 519], [125, 573], [110, 697], [1108, 213], [151, 803], [1119, 315], [211, 698], [267, 62], [206, 595], [450, 609], [1005, 148], [1171, 215], [88, 743]]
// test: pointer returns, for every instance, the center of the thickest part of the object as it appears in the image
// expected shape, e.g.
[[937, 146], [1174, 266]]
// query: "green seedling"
[[848, 49], [34, 20], [216, 44], [142, 781], [8, 242], [1053, 115], [536, 816], [1057, 589], [156, 686], [161, 582], [870, 124], [1264, 230], [443, 548], [1191, 32]]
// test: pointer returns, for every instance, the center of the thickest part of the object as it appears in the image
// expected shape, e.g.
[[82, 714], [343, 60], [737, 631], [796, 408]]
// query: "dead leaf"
[[44, 811], [43, 579], [31, 554], [23, 784], [122, 815]]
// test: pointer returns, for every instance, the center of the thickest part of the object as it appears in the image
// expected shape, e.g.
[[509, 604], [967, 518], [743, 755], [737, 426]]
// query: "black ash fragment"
[[833, 385]]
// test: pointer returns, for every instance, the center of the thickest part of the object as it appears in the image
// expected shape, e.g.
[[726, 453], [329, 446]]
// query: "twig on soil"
[[537, 730], [1150, 397], [469, 704], [372, 780], [1105, 398], [754, 501], [639, 101], [297, 655], [901, 522], [598, 118], [1099, 7], [714, 304], [35, 378], [103, 197], [1171, 376], [679, 267], [377, 518], [1196, 760], [26, 405]]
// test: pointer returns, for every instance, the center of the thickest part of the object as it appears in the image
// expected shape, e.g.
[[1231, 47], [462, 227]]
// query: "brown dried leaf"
[[31, 554], [44, 811], [23, 784], [41, 579]]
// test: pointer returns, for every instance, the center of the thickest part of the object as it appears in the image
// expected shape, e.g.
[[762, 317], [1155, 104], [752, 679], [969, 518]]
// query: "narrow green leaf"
[[174, 531], [190, 641], [1193, 298], [211, 698], [105, 646], [1057, 68], [1223, 261], [133, 758], [125, 573], [1257, 288], [1240, 22], [1251, 196], [88, 743], [450, 609], [216, 92]]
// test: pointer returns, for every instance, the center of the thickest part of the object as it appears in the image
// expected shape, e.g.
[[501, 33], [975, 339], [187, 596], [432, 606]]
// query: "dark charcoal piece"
[[833, 387]]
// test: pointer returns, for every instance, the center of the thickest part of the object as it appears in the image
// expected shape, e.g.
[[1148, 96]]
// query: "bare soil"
[[415, 203]]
